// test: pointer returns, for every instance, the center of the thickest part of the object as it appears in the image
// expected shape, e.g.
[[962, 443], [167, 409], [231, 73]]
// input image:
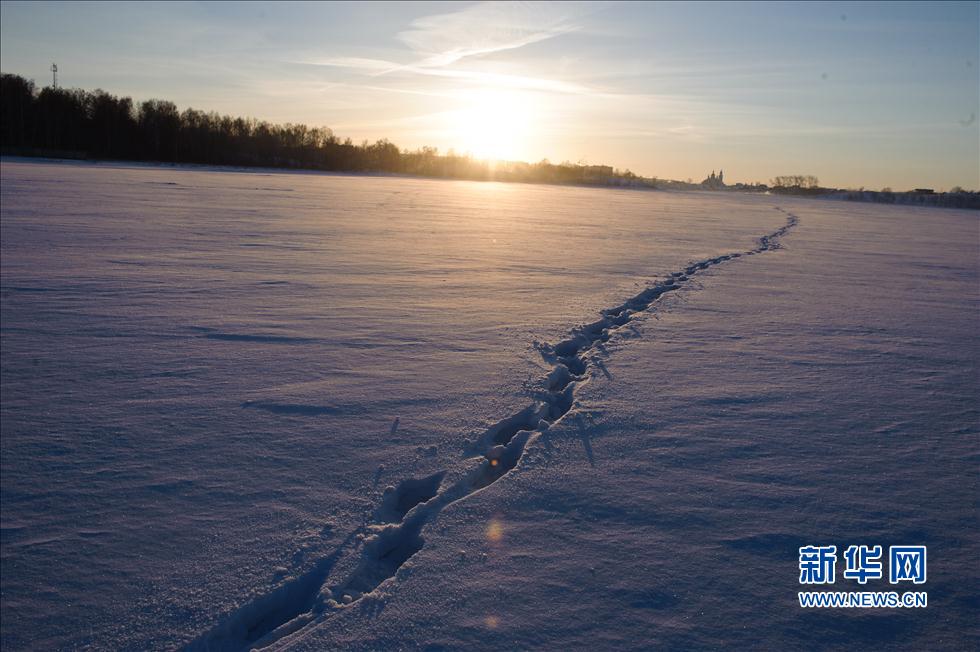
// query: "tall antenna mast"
[[54, 75]]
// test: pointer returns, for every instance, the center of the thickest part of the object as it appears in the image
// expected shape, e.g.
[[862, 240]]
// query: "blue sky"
[[858, 94]]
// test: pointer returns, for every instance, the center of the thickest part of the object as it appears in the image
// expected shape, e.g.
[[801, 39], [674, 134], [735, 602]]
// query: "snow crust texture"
[[397, 535], [211, 376], [257, 409]]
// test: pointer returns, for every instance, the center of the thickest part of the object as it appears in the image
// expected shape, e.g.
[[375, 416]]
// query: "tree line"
[[795, 181], [809, 186], [96, 124]]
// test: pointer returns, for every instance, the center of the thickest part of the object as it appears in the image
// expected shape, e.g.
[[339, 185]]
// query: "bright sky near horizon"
[[858, 94]]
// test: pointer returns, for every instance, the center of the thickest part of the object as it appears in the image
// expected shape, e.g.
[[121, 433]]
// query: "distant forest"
[[75, 123]]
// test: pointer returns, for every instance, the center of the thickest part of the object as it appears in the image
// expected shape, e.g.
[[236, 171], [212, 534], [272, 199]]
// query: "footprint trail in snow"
[[374, 553]]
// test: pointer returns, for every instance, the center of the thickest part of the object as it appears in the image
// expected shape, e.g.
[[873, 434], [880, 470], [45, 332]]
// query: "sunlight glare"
[[493, 124]]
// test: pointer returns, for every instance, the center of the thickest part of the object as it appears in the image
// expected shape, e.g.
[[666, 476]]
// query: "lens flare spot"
[[495, 531]]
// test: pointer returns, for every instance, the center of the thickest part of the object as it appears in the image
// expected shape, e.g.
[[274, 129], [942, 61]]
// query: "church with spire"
[[715, 181]]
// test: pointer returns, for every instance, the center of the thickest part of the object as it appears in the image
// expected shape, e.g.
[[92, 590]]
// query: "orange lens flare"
[[495, 531]]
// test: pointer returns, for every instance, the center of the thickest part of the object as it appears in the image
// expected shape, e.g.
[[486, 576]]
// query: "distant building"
[[925, 191], [715, 181]]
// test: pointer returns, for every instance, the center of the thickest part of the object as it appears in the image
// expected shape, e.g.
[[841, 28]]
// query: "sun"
[[493, 124]]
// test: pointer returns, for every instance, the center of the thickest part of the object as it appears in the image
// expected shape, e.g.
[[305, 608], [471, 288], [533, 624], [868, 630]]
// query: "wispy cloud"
[[489, 27], [439, 41], [377, 67], [505, 81], [356, 63]]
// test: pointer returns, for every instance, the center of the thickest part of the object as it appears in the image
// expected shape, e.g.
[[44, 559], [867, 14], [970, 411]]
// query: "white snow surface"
[[304, 411]]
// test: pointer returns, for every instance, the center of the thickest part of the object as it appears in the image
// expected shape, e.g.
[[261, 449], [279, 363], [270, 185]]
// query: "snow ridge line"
[[295, 607]]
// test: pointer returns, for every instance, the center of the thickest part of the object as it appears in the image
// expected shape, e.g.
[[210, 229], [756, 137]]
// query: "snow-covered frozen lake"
[[260, 409]]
